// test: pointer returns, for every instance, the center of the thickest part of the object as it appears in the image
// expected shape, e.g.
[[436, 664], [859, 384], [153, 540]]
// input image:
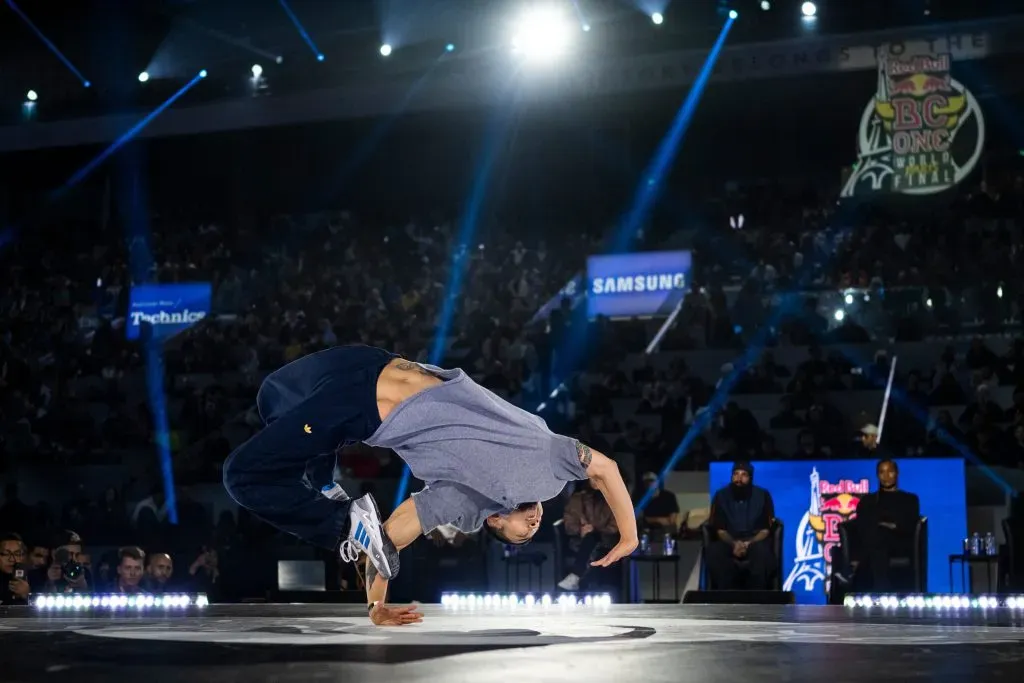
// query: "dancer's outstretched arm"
[[403, 527], [604, 476]]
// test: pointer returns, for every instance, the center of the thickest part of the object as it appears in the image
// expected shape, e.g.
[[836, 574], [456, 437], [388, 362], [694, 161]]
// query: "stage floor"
[[621, 643]]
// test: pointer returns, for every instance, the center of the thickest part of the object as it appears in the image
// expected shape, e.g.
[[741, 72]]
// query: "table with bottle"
[[978, 549], [650, 553]]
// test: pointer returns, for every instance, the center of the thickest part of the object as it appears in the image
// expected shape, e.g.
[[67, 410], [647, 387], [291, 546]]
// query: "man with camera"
[[14, 588], [65, 574]]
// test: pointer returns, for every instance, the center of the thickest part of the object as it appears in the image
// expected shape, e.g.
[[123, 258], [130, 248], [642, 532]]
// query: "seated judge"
[[740, 554], [883, 529]]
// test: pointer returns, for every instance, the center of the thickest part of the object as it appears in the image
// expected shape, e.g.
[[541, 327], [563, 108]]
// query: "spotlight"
[[202, 74], [848, 299], [543, 34], [279, 59], [733, 14], [257, 70], [31, 96], [385, 50], [320, 57], [766, 5], [586, 28], [87, 84], [143, 77], [657, 18], [450, 47], [809, 9], [839, 315]]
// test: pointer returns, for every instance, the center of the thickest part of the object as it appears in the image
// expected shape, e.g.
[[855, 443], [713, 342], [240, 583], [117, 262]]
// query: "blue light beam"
[[650, 183], [134, 207], [651, 180], [467, 230], [302, 30], [48, 43], [83, 172]]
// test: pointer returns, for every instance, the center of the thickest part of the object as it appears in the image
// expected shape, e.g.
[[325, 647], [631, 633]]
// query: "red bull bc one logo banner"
[[921, 134], [831, 504]]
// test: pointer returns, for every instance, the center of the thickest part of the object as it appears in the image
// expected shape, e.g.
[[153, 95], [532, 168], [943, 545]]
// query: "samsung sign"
[[647, 283], [168, 308]]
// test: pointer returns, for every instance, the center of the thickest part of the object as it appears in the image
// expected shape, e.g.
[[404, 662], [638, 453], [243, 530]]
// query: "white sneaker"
[[570, 583], [366, 535]]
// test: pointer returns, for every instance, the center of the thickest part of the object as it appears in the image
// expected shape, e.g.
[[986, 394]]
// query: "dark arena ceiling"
[[110, 42]]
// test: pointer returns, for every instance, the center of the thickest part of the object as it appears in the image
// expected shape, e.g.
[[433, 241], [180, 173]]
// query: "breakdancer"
[[485, 462]]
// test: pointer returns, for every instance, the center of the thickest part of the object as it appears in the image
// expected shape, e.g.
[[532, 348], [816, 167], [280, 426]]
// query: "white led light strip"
[[512, 600], [119, 602], [935, 602]]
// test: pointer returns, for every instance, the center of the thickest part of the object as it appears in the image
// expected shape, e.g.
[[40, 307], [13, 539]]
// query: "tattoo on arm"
[[585, 454]]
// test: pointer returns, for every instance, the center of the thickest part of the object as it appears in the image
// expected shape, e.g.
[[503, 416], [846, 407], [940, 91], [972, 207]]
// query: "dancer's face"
[[520, 525]]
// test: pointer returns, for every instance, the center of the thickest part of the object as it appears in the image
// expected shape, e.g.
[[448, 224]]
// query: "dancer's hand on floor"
[[385, 615], [623, 548]]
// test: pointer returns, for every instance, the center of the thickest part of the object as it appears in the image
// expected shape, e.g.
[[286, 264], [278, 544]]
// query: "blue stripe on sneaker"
[[362, 536]]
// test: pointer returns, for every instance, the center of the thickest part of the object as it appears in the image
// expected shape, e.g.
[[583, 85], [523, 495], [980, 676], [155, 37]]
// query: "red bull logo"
[[834, 511], [818, 535], [905, 142]]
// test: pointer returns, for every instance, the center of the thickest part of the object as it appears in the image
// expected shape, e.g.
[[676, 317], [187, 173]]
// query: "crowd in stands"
[[949, 408], [38, 556], [73, 390]]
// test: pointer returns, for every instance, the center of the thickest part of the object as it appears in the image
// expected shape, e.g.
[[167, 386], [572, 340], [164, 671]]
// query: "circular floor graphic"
[[549, 630]]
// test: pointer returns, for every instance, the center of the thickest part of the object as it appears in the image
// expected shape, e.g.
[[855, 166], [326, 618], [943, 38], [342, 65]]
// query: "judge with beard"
[[884, 528], [741, 518]]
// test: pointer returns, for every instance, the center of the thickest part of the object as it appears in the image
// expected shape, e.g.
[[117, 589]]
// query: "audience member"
[[204, 573], [14, 587], [661, 514], [64, 574], [129, 570], [589, 525], [159, 572]]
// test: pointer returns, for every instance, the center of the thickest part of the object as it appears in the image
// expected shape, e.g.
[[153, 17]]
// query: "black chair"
[[533, 561], [914, 566], [707, 536]]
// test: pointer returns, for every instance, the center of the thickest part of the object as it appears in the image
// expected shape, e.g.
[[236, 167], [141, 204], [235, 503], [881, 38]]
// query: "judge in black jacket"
[[884, 528]]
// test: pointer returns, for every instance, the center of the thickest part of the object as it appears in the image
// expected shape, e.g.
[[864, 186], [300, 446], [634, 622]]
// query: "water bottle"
[[645, 543], [990, 543], [967, 545], [668, 546], [334, 492], [975, 543]]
